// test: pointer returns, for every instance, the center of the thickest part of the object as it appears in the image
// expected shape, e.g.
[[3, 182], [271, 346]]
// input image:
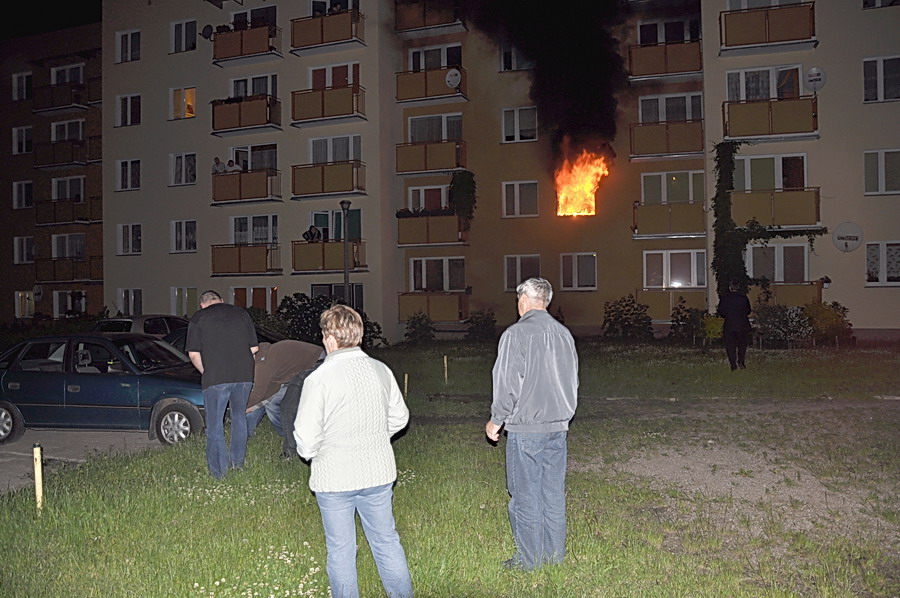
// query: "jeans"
[[535, 478], [338, 511], [270, 407], [215, 399]]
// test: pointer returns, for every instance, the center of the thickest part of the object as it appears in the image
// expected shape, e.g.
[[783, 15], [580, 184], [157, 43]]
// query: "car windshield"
[[150, 354], [113, 326]]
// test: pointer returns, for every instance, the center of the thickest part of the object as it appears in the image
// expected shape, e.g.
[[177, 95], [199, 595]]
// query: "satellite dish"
[[847, 236], [38, 292], [814, 79], [453, 78], [206, 32]]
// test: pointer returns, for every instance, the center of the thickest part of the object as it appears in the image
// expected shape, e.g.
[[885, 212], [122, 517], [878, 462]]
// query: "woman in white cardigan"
[[349, 409]]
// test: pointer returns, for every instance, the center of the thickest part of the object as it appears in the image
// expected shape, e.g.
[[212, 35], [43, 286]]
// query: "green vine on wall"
[[462, 196]]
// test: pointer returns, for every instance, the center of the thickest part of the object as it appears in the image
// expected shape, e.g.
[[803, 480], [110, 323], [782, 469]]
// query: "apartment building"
[[51, 248]]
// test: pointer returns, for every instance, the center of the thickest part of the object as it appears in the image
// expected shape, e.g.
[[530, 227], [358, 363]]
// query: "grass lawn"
[[685, 479]]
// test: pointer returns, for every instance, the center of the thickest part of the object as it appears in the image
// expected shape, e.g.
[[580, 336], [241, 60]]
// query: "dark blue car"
[[121, 381]]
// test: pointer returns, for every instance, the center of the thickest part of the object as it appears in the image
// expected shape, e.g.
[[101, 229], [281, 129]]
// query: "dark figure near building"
[[734, 307]]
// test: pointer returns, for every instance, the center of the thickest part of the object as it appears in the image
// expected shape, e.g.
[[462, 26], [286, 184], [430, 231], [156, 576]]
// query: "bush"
[[298, 317], [419, 329], [782, 324], [713, 327], [687, 322], [481, 326], [627, 319], [829, 322]]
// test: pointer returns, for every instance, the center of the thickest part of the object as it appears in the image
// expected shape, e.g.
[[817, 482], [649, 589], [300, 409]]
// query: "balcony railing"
[[247, 45], [325, 30], [329, 103], [793, 294], [668, 219], [67, 97], [419, 14], [439, 306], [329, 178], [427, 230], [62, 211], [661, 302], [432, 156], [667, 138], [68, 268], [67, 153], [251, 258], [326, 256], [665, 59], [245, 114], [772, 25], [777, 207], [431, 83], [773, 117], [253, 185]]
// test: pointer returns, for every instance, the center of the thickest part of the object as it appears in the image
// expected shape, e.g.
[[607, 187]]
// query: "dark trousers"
[[736, 347], [289, 405]]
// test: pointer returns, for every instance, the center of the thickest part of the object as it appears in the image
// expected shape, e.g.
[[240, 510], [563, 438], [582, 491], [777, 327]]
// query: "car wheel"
[[176, 422], [12, 425]]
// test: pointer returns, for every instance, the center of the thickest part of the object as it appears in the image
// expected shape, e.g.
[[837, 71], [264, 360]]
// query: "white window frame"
[[661, 106], [445, 117], [178, 228], [69, 252], [415, 204], [698, 277], [130, 184], [334, 220], [418, 263], [773, 80], [744, 163], [421, 50], [69, 69], [879, 4], [125, 45], [124, 116], [182, 41], [60, 130], [243, 156], [22, 86], [353, 69], [22, 140], [354, 148], [512, 56], [516, 188], [882, 172], [357, 296], [510, 285], [271, 81], [23, 194], [129, 239], [24, 301], [180, 301], [271, 229], [880, 77], [882, 264], [67, 180], [185, 178], [779, 260], [23, 250], [664, 189], [576, 285], [182, 103], [130, 301], [62, 303], [515, 136]]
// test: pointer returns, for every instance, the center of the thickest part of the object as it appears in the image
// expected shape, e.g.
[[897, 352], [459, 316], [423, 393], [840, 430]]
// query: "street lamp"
[[345, 208]]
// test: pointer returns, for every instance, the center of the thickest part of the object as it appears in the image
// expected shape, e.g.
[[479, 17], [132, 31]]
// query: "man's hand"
[[492, 431]]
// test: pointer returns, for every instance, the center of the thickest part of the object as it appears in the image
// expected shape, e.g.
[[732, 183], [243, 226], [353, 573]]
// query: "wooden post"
[[446, 381], [38, 477], [405, 385]]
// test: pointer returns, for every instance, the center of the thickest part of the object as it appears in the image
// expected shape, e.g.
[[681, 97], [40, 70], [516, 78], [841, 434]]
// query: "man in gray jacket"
[[535, 394]]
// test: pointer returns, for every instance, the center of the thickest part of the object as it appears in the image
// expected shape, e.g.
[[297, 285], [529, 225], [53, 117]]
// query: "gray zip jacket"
[[535, 376]]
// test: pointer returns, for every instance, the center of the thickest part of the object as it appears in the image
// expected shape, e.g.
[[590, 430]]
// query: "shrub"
[[627, 319], [419, 329], [782, 324], [481, 326], [713, 327], [298, 317], [687, 322], [829, 322]]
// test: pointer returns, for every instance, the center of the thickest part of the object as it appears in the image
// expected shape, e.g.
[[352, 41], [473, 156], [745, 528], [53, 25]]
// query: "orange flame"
[[577, 183]]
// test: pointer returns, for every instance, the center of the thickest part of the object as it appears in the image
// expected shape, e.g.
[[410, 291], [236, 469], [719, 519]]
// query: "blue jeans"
[[376, 514], [215, 399], [270, 407], [535, 478]]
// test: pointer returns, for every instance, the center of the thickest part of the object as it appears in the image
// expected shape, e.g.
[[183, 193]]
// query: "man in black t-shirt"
[[221, 341]]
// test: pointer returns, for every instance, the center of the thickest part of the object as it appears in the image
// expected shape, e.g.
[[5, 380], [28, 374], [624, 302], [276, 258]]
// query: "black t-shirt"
[[223, 335]]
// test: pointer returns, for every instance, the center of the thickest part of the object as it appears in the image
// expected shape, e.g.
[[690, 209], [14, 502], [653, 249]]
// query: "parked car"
[[122, 381], [178, 338], [157, 325]]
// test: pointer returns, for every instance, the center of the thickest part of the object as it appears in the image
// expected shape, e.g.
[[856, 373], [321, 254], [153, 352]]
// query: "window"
[[128, 110], [671, 108], [23, 250], [323, 7], [183, 102], [24, 301], [879, 3], [128, 46], [437, 274], [882, 171], [183, 168], [184, 301], [763, 173], [129, 239], [428, 198], [336, 149], [72, 73], [336, 75], [744, 4], [778, 263], [23, 194], [67, 130], [881, 79], [435, 57], [70, 246], [21, 140], [21, 86], [520, 198], [883, 263], [184, 236], [336, 291], [251, 86], [651, 33], [129, 175], [262, 229], [519, 268], [184, 36], [675, 269], [69, 303], [44, 356], [331, 224], [520, 124], [436, 128], [257, 17], [131, 301], [777, 82], [672, 187], [579, 271], [265, 298], [256, 157], [511, 59], [68, 188]]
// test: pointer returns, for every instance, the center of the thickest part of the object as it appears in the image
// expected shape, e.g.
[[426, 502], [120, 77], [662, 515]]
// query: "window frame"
[[697, 257], [55, 127], [420, 263], [882, 264], [128, 299], [67, 68], [132, 53], [179, 299], [510, 286], [356, 291], [271, 229], [661, 30], [420, 50], [271, 296], [70, 305], [882, 173], [444, 116], [779, 260], [24, 299], [124, 118], [180, 106], [22, 86], [22, 140], [23, 250], [54, 188], [421, 189], [131, 163], [517, 191], [129, 239], [664, 189], [182, 37], [271, 80], [69, 254], [516, 61], [773, 71], [174, 233], [576, 286], [879, 78], [517, 125], [745, 161], [661, 107], [20, 201], [173, 169], [354, 147]]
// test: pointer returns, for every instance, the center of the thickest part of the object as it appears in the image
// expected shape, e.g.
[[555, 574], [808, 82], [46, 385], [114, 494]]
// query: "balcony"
[[332, 178], [250, 258], [67, 97], [331, 104], [771, 120], [310, 35], [439, 306], [427, 17], [667, 139], [430, 230], [67, 211], [250, 114], [68, 269], [668, 220], [246, 46], [433, 84], [661, 302], [791, 26], [253, 185], [326, 256], [794, 294], [67, 153], [777, 207], [433, 156], [672, 62]]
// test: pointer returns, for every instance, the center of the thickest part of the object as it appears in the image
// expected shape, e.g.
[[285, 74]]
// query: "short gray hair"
[[536, 288], [209, 297]]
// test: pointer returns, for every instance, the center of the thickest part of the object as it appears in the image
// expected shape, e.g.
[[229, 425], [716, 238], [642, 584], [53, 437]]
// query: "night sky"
[[36, 17]]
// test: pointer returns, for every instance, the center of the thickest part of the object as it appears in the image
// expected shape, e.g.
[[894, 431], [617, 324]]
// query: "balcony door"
[[331, 224]]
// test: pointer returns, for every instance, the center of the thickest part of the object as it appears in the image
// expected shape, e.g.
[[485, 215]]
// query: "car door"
[[36, 383], [101, 389]]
